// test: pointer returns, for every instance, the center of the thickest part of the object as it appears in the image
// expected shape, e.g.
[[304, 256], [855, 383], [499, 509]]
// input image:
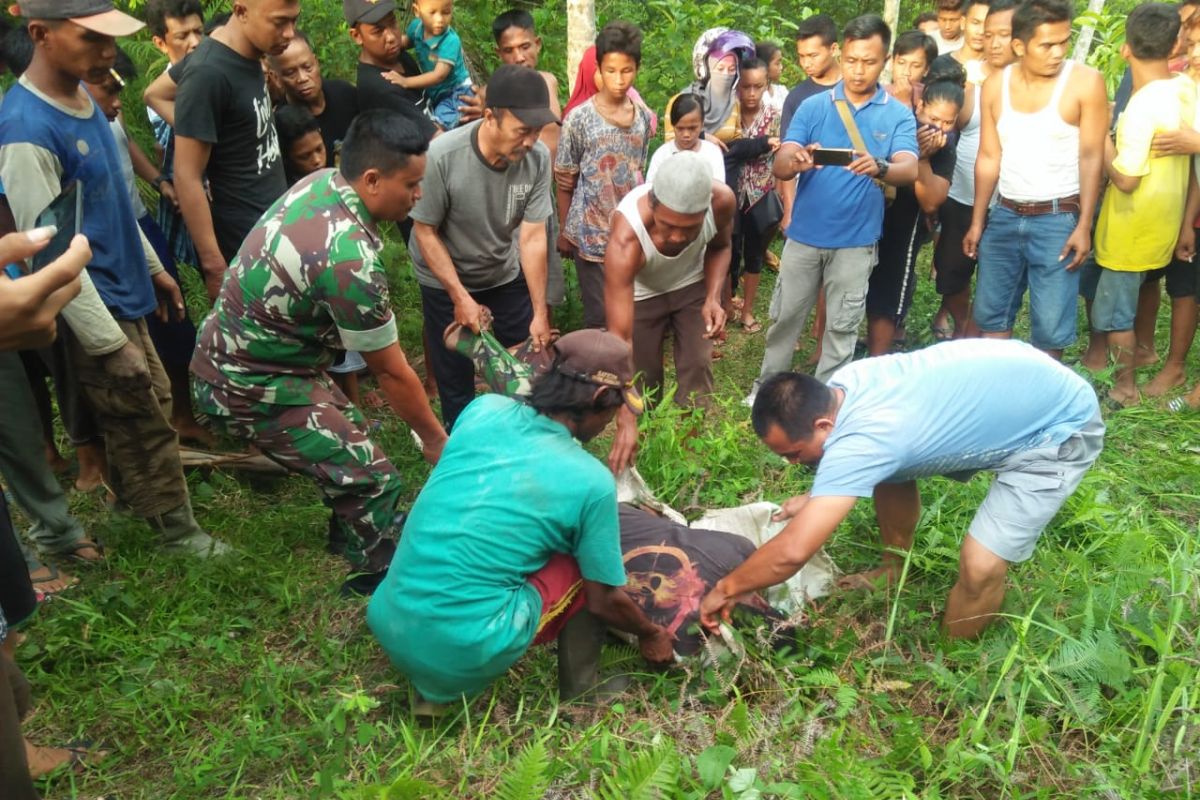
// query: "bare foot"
[[58, 464], [92, 465], [52, 580], [1168, 378], [89, 481], [1125, 399], [1094, 361], [44, 760], [871, 579], [192, 431], [1145, 356]]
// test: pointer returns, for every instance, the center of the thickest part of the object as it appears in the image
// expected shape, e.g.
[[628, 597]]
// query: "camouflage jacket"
[[307, 282]]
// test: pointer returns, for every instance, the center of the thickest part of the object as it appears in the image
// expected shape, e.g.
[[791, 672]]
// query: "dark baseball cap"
[[522, 91], [95, 15], [368, 11], [598, 357]]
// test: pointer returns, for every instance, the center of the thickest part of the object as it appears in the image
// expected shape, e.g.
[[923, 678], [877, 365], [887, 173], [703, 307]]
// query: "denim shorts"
[[1114, 295], [1018, 251]]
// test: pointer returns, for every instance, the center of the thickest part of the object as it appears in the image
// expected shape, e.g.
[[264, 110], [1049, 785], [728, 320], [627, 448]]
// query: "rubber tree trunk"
[[891, 15], [581, 34], [1083, 44]]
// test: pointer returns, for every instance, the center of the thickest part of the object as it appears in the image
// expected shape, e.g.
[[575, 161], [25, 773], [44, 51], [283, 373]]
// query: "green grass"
[[249, 677]]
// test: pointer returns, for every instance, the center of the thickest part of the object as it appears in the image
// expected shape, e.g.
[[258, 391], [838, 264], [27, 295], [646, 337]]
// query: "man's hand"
[[716, 607], [472, 107], [714, 319], [624, 445], [658, 648], [431, 449], [128, 366], [170, 299], [1185, 248], [539, 329], [773, 142], [864, 165], [30, 304], [1079, 242], [213, 270], [971, 241], [929, 141], [167, 190], [471, 315], [564, 246], [1182, 142], [790, 508]]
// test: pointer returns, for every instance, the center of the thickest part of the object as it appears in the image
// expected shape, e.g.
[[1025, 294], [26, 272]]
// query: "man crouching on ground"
[[515, 538], [953, 409]]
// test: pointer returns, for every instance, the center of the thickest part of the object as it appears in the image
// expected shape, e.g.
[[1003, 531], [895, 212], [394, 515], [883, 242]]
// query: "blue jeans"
[[445, 110], [1018, 251], [1114, 295]]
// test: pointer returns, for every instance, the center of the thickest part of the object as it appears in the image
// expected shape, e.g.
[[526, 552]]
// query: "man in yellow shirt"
[[1144, 203]]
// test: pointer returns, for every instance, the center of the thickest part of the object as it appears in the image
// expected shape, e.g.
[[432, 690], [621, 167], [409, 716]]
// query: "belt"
[[1059, 205]]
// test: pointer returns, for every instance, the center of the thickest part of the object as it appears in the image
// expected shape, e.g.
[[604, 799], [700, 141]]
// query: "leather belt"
[[1059, 205]]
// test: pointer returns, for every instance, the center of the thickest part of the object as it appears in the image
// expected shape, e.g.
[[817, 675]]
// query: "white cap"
[[684, 183]]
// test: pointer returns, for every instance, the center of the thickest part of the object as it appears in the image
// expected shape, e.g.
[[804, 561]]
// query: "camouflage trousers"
[[327, 442]]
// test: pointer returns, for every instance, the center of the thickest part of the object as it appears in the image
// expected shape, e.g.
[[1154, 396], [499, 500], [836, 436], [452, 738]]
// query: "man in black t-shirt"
[[374, 29], [817, 52], [906, 225], [224, 130], [333, 102]]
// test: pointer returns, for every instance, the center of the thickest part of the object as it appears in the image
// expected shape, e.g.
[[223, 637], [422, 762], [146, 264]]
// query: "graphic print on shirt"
[[268, 139]]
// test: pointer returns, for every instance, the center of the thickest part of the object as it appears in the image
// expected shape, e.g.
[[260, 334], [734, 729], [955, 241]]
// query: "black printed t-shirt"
[[341, 107], [375, 91], [223, 101]]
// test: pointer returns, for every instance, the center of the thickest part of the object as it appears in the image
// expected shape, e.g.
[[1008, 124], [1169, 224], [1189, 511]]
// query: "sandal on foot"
[[72, 552], [1179, 405], [753, 326], [52, 575], [940, 333]]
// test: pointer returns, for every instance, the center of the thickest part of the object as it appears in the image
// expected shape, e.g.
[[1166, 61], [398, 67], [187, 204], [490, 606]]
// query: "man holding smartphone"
[[837, 215], [51, 134]]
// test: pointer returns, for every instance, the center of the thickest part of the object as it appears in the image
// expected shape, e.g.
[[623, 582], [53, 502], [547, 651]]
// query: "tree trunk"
[[1083, 44], [891, 15], [581, 34]]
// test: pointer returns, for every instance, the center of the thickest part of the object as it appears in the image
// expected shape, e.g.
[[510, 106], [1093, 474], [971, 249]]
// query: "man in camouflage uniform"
[[307, 282]]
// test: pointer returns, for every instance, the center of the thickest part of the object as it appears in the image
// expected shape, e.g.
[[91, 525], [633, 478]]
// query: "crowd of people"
[[273, 182]]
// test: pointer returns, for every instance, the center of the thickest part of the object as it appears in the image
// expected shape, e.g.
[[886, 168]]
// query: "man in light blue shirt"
[[837, 215], [953, 409]]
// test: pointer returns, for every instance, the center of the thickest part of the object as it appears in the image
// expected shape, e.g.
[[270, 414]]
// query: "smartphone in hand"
[[833, 156], [65, 214]]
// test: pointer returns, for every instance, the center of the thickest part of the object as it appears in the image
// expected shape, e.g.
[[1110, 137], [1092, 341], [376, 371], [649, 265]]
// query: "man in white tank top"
[[666, 264], [954, 268], [1042, 140]]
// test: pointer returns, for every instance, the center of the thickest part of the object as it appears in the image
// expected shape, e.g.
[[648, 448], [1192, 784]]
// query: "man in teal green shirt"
[[514, 540]]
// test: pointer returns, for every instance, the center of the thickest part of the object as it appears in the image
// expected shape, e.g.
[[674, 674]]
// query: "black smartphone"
[[833, 156], [65, 214]]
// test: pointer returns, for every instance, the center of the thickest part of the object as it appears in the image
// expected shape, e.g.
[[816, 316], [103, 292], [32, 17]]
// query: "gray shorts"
[[1030, 488]]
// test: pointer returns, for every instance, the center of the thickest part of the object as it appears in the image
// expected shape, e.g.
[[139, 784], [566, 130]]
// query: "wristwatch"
[[882, 164]]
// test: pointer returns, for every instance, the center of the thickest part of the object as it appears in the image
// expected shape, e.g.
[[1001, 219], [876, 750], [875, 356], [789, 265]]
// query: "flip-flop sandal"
[[941, 334], [753, 326], [1179, 405], [72, 553], [53, 576], [83, 754]]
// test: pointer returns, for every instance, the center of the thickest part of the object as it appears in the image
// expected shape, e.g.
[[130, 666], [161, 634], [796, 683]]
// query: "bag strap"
[[843, 109]]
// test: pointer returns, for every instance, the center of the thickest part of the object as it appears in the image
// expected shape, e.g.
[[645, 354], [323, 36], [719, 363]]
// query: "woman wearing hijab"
[[715, 62]]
